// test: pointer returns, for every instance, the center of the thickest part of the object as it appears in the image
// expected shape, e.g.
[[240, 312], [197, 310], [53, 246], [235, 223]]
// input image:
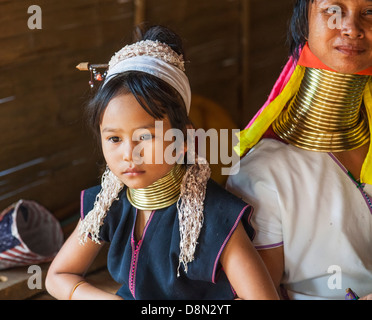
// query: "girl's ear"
[[188, 127]]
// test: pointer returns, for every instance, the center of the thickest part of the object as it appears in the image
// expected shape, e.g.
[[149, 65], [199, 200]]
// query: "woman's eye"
[[368, 12], [333, 10], [114, 139]]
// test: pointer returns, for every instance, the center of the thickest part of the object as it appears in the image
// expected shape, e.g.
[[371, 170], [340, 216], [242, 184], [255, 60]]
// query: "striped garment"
[[29, 234]]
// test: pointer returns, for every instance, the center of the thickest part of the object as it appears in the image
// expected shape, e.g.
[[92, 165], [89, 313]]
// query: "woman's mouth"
[[350, 50]]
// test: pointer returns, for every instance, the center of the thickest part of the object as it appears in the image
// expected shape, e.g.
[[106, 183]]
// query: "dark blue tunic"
[[148, 269]]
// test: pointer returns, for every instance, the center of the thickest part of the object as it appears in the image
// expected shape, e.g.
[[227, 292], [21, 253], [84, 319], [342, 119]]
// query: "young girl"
[[173, 232]]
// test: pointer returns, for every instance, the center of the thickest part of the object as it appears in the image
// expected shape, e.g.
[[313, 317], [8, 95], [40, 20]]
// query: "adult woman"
[[311, 185]]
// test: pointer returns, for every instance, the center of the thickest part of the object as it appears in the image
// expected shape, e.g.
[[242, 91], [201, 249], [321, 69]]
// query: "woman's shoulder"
[[269, 149], [273, 155]]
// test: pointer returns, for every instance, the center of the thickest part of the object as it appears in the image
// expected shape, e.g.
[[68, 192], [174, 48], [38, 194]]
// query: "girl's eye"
[[114, 139], [145, 137], [368, 12]]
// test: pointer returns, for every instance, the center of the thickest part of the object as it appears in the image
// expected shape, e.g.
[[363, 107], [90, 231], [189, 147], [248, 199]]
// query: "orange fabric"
[[308, 59]]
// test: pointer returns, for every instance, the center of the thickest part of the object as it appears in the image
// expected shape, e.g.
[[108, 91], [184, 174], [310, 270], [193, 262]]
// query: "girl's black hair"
[[298, 27], [156, 97]]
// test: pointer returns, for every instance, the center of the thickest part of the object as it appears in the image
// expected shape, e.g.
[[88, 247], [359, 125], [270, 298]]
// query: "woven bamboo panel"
[[267, 50], [47, 153], [234, 50], [211, 30]]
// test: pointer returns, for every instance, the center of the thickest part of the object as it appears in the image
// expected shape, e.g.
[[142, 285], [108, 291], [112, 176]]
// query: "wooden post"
[[245, 57], [139, 11]]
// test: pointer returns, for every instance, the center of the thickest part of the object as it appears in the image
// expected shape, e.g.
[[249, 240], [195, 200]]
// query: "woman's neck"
[[325, 115], [353, 160]]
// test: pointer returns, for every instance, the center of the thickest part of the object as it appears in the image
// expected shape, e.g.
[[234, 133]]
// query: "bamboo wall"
[[235, 49], [268, 22]]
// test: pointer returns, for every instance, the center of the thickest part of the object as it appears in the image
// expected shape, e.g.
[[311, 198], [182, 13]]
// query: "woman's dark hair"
[[298, 27], [156, 97]]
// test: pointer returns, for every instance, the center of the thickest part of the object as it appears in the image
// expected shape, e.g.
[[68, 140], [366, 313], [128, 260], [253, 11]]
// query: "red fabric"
[[308, 59]]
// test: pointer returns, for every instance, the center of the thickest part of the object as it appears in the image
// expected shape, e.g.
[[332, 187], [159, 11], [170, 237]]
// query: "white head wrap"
[[157, 59]]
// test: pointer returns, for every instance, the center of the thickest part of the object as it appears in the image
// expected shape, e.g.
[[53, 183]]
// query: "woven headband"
[[155, 58]]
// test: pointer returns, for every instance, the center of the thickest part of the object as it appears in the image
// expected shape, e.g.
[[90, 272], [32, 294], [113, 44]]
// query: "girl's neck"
[[161, 194]]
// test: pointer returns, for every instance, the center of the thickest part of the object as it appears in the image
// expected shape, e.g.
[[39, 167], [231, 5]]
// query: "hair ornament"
[[90, 226], [190, 208], [95, 75], [155, 49], [150, 48]]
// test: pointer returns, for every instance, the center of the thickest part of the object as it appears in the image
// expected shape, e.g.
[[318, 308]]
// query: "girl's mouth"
[[133, 172]]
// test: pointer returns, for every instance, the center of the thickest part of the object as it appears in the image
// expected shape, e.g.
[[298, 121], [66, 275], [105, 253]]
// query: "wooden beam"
[[14, 281], [245, 57]]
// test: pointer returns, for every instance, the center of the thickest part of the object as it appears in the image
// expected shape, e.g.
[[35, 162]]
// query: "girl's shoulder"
[[218, 194], [222, 208], [89, 196]]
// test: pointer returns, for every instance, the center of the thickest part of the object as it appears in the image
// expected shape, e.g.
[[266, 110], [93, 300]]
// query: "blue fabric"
[[154, 275], [7, 240]]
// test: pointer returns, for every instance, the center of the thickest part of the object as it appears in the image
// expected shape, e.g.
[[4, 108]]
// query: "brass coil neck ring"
[[326, 115], [161, 194]]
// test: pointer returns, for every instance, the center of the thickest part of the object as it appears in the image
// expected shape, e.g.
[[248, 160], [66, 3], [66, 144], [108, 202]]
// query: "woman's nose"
[[352, 27]]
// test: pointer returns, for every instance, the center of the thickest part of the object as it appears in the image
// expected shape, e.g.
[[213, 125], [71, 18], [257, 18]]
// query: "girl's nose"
[[127, 150], [131, 152]]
